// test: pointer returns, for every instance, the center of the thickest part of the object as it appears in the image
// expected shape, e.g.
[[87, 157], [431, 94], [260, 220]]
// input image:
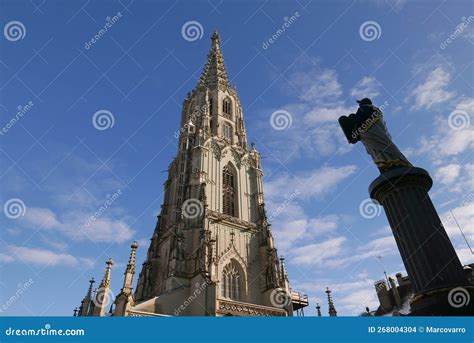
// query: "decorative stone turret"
[[125, 300], [87, 301], [318, 308], [284, 275], [103, 296]]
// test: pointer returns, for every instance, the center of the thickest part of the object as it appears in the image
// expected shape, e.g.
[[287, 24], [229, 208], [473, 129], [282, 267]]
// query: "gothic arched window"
[[227, 132], [229, 191], [227, 107], [231, 282]]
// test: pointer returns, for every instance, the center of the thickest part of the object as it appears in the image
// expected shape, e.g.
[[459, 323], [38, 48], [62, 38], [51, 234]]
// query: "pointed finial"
[[106, 279], [75, 312], [91, 283], [215, 37]]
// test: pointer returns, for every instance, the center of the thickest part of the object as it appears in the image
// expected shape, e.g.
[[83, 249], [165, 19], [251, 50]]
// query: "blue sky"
[[63, 169]]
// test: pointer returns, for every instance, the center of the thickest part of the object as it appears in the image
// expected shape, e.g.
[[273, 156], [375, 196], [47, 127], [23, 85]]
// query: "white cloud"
[[357, 300], [325, 114], [292, 226], [447, 141], [315, 130], [6, 258], [382, 246], [42, 217], [465, 255], [73, 225], [333, 254], [314, 184], [43, 257], [464, 214], [317, 254], [367, 87], [317, 87], [432, 91], [448, 174]]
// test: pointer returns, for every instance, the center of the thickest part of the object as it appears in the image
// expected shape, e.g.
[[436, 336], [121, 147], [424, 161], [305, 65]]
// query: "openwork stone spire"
[[106, 280], [332, 309], [214, 74], [130, 271], [86, 302]]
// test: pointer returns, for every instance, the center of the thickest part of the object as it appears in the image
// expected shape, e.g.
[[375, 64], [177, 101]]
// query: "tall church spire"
[[214, 73], [332, 309]]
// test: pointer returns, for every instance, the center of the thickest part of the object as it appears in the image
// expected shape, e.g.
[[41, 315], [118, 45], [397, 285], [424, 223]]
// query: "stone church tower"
[[212, 252]]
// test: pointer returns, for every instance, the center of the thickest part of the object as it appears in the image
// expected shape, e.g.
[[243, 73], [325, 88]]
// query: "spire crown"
[[216, 37], [214, 74]]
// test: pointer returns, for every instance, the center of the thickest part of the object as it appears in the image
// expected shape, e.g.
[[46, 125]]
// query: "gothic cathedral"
[[212, 252]]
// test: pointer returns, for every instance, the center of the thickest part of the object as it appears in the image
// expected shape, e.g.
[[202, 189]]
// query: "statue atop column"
[[429, 257], [368, 126]]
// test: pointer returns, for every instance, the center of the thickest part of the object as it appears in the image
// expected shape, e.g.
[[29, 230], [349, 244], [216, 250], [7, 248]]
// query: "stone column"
[[429, 257]]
